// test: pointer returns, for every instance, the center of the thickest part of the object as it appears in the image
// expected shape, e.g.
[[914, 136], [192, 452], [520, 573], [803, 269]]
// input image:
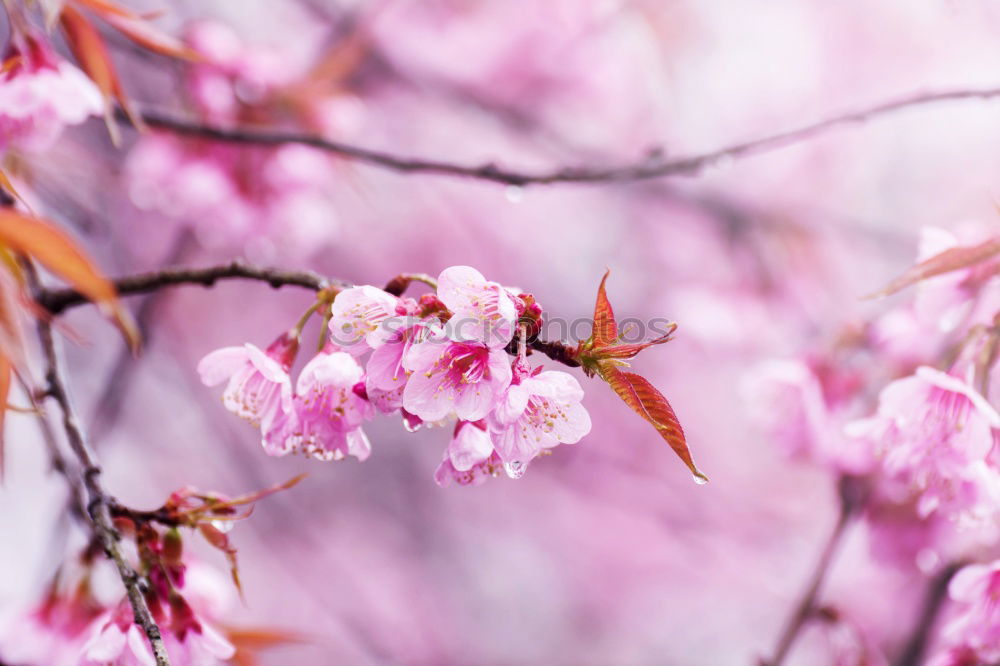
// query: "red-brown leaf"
[[250, 498], [628, 350], [51, 247], [950, 260], [605, 327], [218, 539], [646, 401]]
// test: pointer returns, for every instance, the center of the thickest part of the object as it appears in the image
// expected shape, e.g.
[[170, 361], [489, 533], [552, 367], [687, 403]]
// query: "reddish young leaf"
[[106, 8], [631, 349], [652, 406], [218, 539], [951, 259], [50, 246], [605, 327], [249, 498]]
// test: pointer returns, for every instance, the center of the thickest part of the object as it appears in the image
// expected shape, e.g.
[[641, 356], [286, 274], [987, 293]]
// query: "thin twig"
[[934, 598], [653, 165], [57, 301], [98, 501], [850, 502]]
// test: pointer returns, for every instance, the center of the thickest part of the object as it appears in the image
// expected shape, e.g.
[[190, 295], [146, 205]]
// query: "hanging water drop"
[[515, 469], [700, 479], [411, 422], [514, 193]]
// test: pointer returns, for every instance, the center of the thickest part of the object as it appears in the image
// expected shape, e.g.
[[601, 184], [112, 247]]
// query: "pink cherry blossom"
[[385, 369], [973, 636], [933, 435], [481, 310], [475, 475], [355, 316], [470, 445], [40, 94], [801, 407], [52, 633], [325, 416], [189, 641], [539, 411], [463, 378], [258, 388]]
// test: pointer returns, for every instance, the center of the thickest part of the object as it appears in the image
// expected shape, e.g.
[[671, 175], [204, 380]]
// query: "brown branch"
[[651, 166], [851, 497], [57, 301], [934, 598], [98, 501]]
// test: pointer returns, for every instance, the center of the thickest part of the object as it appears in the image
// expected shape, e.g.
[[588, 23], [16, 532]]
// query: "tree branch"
[[98, 501], [934, 598], [652, 166], [851, 499], [58, 301]]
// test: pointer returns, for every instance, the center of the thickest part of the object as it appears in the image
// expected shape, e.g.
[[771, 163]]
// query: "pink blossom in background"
[[935, 435], [40, 94], [973, 636]]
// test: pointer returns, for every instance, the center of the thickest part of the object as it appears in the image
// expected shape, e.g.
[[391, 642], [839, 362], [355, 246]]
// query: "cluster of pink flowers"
[[40, 94], [972, 637], [73, 627], [433, 359], [934, 436]]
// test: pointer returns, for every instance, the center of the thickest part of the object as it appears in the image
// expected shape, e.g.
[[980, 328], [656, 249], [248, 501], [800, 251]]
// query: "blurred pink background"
[[606, 552]]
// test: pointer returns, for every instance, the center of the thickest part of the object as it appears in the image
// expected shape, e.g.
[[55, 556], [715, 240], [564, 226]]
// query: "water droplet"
[[700, 479], [514, 194], [927, 560], [515, 469], [223, 525], [411, 422]]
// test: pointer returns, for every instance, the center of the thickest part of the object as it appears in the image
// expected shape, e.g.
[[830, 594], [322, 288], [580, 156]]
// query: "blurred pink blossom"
[[934, 435], [40, 94]]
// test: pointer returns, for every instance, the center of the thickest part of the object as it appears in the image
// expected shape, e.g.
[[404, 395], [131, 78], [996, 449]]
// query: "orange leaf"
[[6, 183], [91, 52], [106, 8], [605, 327], [950, 260], [149, 37], [248, 642], [6, 371], [646, 401], [51, 247]]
